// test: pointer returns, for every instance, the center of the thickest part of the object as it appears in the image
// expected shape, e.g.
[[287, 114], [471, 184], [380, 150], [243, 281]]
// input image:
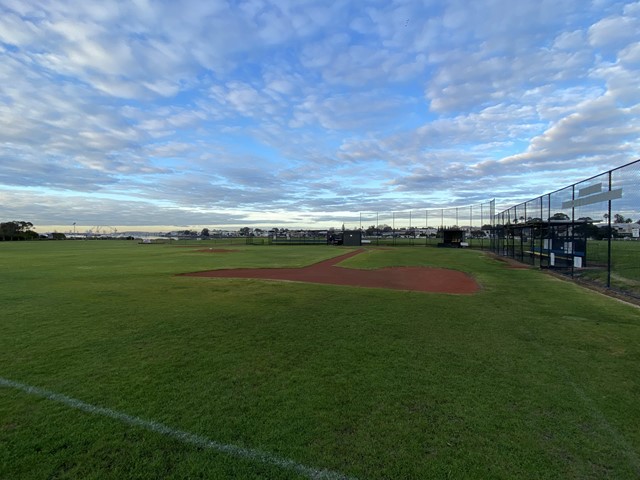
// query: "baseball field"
[[117, 362]]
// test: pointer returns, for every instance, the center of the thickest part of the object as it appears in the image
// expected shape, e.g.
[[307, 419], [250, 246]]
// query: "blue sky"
[[217, 113]]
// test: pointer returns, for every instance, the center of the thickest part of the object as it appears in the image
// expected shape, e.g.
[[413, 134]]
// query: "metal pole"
[[393, 227], [426, 227], [549, 242], [541, 239], [414, 235], [470, 221], [524, 229], [482, 226], [609, 239], [573, 229]]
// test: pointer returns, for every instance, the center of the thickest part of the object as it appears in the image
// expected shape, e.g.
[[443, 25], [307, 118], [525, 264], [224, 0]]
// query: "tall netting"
[[534, 240], [369, 224], [591, 211], [624, 223], [427, 227], [589, 230]]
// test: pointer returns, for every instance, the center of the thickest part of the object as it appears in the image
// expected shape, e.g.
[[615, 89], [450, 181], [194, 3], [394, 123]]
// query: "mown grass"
[[625, 257], [625, 265], [531, 378]]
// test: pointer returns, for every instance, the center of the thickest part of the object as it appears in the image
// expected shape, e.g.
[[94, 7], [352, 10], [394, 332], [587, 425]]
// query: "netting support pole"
[[426, 227], [609, 235], [573, 230]]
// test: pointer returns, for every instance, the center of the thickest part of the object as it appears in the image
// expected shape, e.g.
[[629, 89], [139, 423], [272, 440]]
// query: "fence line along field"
[[113, 365]]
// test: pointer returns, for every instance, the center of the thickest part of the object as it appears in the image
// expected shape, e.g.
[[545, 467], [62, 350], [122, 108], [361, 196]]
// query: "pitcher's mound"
[[420, 279]]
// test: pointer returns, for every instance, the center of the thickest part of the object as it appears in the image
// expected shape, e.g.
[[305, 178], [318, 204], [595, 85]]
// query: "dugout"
[[565, 244], [548, 244], [452, 238]]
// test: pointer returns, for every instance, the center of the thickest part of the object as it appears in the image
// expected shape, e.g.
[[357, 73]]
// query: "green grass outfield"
[[112, 367]]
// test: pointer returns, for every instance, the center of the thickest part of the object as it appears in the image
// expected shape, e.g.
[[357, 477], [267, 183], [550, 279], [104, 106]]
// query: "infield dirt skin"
[[419, 279]]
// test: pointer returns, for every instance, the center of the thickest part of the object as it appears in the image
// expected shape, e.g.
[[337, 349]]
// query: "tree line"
[[17, 230]]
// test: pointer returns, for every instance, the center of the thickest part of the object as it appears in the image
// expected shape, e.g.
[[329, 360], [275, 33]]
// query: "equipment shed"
[[352, 238]]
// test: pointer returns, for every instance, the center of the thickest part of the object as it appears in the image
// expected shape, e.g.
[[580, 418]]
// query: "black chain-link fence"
[[589, 231], [428, 227], [401, 228]]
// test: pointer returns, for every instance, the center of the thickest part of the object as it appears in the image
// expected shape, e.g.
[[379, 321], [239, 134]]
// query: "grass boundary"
[[184, 437], [607, 292]]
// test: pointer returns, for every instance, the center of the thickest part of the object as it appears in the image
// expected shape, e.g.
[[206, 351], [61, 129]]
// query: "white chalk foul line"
[[185, 437]]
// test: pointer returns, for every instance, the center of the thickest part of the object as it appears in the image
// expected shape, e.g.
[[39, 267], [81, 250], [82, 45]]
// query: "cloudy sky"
[[303, 112]]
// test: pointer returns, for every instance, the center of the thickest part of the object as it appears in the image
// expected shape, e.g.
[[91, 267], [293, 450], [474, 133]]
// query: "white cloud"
[[614, 33], [317, 105], [630, 55], [366, 110], [14, 31], [570, 40]]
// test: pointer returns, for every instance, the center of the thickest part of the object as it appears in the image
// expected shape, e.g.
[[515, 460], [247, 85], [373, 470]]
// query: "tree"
[[24, 226], [559, 216], [204, 232], [587, 229], [244, 231], [617, 218], [8, 230], [17, 230], [371, 230]]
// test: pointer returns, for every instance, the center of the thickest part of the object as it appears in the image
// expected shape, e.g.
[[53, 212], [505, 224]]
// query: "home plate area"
[[419, 279]]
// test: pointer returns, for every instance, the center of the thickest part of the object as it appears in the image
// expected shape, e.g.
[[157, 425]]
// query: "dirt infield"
[[420, 279]]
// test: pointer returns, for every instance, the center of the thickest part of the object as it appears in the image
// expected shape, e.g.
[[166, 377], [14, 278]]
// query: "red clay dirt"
[[419, 279]]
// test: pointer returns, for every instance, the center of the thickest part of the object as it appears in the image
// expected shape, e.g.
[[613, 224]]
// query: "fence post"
[[609, 235], [426, 228], [481, 229], [573, 229], [470, 224], [393, 227], [549, 231], [540, 228]]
